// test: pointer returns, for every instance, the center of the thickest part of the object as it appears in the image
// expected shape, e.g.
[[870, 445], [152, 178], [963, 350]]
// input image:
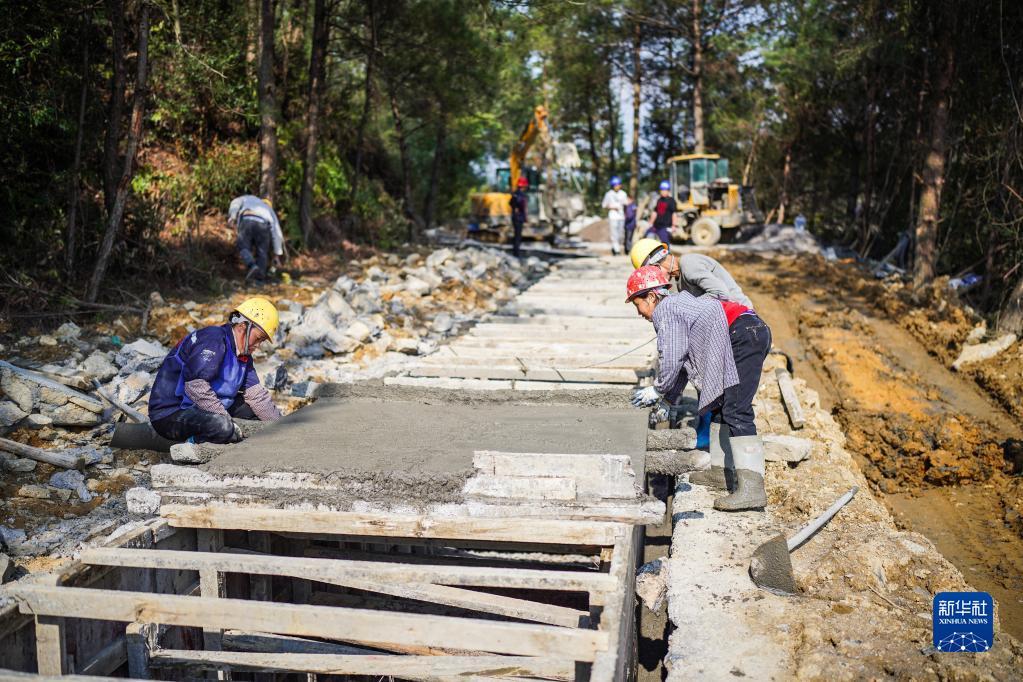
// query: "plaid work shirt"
[[693, 344]]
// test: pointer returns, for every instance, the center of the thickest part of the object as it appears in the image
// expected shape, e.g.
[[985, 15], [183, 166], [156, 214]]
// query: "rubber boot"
[[748, 454], [720, 475]]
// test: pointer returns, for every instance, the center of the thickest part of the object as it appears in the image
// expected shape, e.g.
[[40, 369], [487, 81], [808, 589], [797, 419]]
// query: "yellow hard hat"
[[260, 312], [642, 249]]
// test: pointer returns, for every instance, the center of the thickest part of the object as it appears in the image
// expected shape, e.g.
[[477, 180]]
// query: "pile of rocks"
[[400, 307]]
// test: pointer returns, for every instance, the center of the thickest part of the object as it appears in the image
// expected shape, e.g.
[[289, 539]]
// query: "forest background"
[[126, 126]]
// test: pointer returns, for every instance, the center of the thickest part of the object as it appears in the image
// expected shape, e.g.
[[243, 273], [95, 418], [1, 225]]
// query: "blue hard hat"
[[615, 180], [664, 185]]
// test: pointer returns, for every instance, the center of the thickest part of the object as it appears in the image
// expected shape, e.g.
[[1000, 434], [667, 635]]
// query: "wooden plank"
[[340, 623], [597, 374], [211, 581], [618, 616], [471, 600], [141, 637], [51, 644], [391, 525], [107, 660], [790, 398], [380, 665], [265, 642], [327, 570], [521, 487]]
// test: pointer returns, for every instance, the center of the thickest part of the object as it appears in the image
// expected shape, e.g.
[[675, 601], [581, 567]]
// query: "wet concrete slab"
[[418, 445]]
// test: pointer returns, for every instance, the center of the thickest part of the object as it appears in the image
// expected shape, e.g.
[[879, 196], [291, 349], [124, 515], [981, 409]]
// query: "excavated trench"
[[933, 444]]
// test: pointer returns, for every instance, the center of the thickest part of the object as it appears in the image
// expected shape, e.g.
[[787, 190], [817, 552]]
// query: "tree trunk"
[[591, 138], [253, 44], [71, 240], [637, 80], [786, 176], [933, 174], [438, 157], [698, 142], [1012, 313], [134, 135], [115, 112], [612, 128], [367, 104], [317, 73], [268, 113], [415, 222], [866, 217]]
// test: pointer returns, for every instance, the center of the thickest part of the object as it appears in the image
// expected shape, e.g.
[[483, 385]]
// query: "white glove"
[[645, 397]]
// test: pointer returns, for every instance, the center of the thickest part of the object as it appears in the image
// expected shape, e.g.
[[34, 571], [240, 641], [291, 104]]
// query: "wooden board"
[[355, 625], [390, 525]]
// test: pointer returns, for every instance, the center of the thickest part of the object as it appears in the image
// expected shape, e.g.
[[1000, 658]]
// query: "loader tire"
[[705, 232]]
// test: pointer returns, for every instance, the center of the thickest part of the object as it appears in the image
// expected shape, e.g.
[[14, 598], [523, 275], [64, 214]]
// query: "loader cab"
[[698, 180]]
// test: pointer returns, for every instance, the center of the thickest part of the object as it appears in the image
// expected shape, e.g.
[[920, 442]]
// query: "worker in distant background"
[[519, 207], [693, 272], [614, 201], [665, 217], [258, 231], [208, 379], [720, 346], [630, 221]]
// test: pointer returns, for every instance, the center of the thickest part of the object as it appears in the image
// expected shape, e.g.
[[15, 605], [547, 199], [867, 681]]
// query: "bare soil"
[[941, 447]]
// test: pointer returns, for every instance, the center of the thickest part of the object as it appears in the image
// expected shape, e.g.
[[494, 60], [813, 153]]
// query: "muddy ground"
[[939, 447]]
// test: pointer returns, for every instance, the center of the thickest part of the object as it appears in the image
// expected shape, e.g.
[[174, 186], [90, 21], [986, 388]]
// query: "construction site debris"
[[652, 584], [781, 239]]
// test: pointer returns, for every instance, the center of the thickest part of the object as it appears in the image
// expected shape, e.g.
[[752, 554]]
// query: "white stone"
[[977, 334], [983, 351], [142, 501], [359, 331], [10, 413], [38, 421], [339, 342], [407, 345], [68, 331], [133, 386], [47, 340], [334, 302], [39, 492], [443, 323], [19, 465], [438, 257], [98, 366], [417, 286]]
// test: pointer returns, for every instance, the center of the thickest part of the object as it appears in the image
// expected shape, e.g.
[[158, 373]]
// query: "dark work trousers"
[[203, 426], [517, 224], [751, 341], [254, 244], [630, 227], [661, 234]]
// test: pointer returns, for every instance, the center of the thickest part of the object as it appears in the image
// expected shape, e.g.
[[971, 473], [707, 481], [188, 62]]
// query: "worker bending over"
[[208, 379], [693, 272], [259, 230], [721, 346]]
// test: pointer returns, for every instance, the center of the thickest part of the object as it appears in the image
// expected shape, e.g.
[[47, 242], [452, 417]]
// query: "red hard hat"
[[523, 182], [644, 279]]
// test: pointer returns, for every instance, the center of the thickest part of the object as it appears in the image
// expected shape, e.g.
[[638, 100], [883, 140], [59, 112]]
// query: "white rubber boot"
[[748, 454], [721, 471]]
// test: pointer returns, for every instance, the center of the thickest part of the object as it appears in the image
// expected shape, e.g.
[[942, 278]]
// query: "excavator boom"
[[537, 126]]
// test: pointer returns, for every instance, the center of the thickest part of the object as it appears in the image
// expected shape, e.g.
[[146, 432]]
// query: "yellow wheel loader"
[[709, 202]]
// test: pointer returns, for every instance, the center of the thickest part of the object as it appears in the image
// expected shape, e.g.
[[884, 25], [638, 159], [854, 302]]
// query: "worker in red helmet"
[[720, 346], [519, 206]]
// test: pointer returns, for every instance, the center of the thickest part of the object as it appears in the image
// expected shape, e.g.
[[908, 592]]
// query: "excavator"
[[555, 197]]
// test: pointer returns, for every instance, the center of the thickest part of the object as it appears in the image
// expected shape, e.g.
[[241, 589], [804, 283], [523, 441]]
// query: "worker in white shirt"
[[259, 231], [614, 201]]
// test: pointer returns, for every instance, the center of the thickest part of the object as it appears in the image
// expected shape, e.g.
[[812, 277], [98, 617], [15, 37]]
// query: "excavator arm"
[[537, 127]]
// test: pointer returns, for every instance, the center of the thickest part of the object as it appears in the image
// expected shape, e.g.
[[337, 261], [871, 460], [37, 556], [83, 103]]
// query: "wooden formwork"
[[345, 593]]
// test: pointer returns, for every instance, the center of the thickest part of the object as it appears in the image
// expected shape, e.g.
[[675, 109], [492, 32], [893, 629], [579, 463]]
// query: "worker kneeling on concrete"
[[721, 346], [208, 379], [693, 272]]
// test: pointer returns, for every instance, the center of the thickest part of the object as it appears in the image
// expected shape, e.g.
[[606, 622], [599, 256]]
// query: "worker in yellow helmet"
[[693, 272], [208, 380]]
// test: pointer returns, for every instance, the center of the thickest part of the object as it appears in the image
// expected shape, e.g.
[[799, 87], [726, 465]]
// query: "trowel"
[[771, 566]]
